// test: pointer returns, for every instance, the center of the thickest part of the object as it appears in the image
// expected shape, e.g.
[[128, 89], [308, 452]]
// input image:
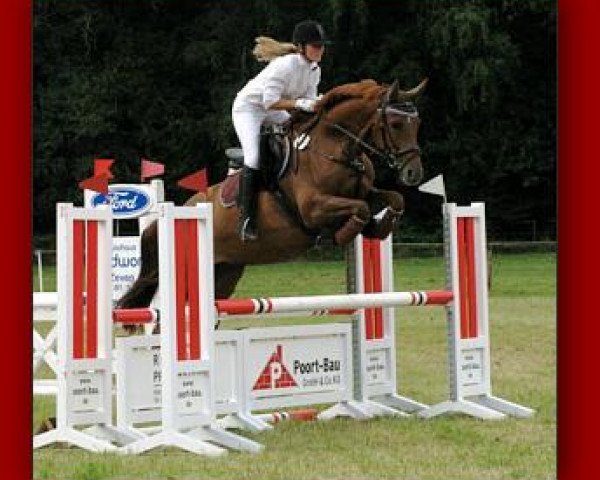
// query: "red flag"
[[151, 169], [196, 181], [102, 165], [98, 183]]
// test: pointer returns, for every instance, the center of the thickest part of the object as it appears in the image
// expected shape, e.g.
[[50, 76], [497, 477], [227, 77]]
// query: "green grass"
[[523, 342]]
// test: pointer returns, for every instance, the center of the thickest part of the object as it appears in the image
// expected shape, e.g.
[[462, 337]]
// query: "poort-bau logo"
[[275, 374]]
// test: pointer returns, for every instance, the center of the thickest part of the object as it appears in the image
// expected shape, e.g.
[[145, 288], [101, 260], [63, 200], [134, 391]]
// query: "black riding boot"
[[247, 202]]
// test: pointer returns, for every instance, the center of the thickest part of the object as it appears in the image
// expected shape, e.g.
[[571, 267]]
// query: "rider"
[[288, 82]]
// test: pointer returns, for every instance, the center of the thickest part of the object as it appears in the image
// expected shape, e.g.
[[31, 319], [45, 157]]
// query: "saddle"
[[275, 152]]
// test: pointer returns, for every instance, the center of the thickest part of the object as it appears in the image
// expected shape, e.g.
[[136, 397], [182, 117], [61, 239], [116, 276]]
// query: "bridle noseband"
[[391, 155]]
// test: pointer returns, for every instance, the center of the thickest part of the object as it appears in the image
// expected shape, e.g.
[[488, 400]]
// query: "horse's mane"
[[337, 101]]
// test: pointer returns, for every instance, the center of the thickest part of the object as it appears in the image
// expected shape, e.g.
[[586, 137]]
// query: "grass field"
[[523, 340]]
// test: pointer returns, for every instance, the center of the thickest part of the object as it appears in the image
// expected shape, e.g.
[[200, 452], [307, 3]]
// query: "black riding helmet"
[[309, 31]]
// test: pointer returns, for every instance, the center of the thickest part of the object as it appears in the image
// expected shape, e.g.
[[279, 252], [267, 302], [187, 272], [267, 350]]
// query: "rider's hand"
[[306, 104]]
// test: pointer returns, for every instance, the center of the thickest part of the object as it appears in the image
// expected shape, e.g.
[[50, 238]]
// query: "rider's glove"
[[306, 104]]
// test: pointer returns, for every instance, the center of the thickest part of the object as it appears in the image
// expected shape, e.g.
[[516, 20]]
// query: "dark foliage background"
[[126, 79]]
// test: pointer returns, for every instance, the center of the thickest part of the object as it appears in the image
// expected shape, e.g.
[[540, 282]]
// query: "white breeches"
[[247, 126]]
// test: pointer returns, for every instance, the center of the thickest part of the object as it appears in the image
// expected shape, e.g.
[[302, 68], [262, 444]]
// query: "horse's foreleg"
[[227, 276], [389, 206], [142, 291], [347, 216], [347, 232]]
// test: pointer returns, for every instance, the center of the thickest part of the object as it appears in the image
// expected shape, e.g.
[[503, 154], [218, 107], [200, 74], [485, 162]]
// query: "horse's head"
[[393, 131], [381, 122]]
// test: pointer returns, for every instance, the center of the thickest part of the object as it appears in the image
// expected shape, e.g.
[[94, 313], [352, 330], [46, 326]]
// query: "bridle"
[[391, 156], [394, 157]]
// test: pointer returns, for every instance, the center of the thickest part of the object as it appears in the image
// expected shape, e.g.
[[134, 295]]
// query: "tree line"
[[126, 79]]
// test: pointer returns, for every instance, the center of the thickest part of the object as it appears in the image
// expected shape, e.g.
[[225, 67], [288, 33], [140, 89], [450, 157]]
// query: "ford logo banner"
[[126, 202]]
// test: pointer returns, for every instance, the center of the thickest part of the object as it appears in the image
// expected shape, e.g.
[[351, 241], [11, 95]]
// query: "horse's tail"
[[142, 291]]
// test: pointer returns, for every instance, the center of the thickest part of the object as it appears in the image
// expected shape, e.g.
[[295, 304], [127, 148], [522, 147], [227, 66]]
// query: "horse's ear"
[[391, 93], [403, 95]]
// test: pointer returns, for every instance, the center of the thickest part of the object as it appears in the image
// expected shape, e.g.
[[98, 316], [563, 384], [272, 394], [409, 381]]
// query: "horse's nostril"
[[418, 175]]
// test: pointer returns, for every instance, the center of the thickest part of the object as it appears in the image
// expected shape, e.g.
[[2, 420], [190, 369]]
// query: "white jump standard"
[[84, 332], [468, 320], [186, 341], [374, 337], [84, 346], [128, 201]]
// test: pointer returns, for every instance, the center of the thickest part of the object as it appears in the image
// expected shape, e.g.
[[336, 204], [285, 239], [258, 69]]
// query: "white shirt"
[[290, 76]]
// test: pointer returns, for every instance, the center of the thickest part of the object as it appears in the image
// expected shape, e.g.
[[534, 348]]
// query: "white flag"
[[435, 186]]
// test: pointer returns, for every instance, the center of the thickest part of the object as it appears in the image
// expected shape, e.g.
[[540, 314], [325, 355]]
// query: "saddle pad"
[[228, 192]]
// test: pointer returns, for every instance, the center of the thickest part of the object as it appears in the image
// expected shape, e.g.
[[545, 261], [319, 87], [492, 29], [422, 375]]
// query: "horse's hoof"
[[388, 221], [351, 229], [382, 224], [46, 425]]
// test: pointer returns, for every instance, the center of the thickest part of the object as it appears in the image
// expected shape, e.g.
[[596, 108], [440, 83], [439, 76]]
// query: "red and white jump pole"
[[133, 316], [332, 303], [317, 305]]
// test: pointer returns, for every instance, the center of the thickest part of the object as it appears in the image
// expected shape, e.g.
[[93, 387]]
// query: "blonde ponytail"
[[267, 49]]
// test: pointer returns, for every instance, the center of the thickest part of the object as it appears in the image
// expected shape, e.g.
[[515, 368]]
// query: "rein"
[[391, 155]]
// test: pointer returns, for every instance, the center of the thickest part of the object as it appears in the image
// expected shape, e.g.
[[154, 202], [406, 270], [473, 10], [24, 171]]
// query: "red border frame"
[[578, 265], [15, 139], [578, 323]]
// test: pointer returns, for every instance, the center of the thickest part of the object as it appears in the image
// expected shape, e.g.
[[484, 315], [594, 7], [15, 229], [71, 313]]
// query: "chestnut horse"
[[362, 139]]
